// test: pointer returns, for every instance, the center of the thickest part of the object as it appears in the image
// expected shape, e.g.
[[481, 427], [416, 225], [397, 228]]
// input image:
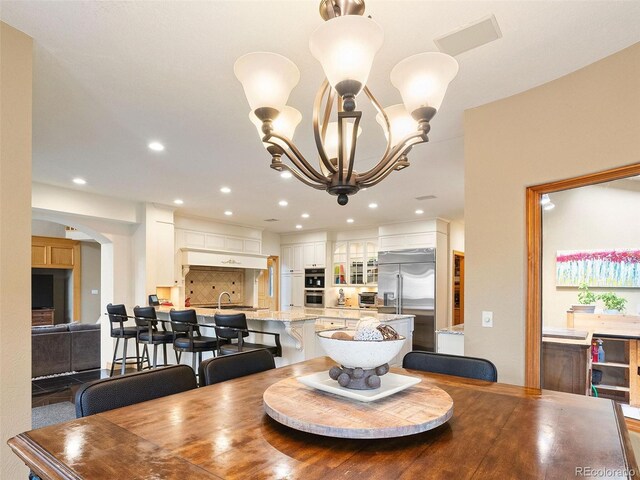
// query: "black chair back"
[[116, 392], [220, 369], [143, 314], [183, 316], [468, 367], [235, 320], [117, 314]]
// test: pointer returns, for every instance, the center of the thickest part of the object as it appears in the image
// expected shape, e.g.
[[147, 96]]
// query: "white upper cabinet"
[[314, 254], [355, 263], [292, 259], [214, 241]]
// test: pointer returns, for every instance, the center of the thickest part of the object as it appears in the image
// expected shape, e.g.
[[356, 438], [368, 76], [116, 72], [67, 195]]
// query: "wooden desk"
[[221, 431]]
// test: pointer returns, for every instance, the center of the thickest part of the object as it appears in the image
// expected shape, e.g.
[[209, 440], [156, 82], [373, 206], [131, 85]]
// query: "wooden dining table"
[[497, 431]]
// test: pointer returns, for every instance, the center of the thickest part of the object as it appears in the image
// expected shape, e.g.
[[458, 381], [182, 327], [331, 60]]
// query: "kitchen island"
[[297, 328]]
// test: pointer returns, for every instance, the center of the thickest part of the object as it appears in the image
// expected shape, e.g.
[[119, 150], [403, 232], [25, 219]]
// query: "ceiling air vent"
[[469, 36], [426, 197], [271, 220]]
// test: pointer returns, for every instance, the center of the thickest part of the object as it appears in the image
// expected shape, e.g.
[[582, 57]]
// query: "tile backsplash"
[[205, 284]]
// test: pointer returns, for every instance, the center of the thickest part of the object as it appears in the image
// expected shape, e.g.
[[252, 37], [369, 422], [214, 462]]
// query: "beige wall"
[[588, 218], [90, 254], [15, 243], [584, 122]]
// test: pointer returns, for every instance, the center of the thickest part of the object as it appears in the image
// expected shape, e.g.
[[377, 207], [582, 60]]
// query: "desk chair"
[[468, 367], [227, 367], [116, 392], [117, 317]]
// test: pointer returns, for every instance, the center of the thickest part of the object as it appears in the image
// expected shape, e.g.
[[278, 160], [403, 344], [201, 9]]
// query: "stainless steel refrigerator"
[[407, 284]]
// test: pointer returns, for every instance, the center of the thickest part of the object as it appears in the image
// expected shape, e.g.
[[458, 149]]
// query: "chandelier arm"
[[396, 151], [319, 136], [390, 167], [354, 137], [298, 159], [381, 111], [301, 177]]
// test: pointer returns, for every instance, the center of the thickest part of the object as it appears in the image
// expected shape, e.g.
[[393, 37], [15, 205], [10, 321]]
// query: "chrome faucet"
[[220, 299]]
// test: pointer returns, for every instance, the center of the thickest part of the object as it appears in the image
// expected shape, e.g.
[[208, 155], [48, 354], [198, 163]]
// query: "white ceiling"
[[111, 76]]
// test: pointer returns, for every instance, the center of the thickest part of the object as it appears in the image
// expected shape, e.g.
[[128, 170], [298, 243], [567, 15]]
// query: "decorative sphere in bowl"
[[365, 354]]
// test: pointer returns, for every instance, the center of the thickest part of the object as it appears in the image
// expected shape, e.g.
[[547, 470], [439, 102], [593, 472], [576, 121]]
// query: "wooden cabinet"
[[355, 263], [314, 254], [566, 366], [619, 370], [458, 288], [292, 259], [48, 252], [60, 253], [291, 290], [43, 316]]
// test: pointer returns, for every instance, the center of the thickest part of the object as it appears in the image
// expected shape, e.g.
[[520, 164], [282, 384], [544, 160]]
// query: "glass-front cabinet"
[[340, 263], [355, 263]]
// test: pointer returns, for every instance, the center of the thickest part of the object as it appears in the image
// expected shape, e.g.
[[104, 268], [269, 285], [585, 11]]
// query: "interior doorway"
[[268, 285], [533, 324], [458, 288]]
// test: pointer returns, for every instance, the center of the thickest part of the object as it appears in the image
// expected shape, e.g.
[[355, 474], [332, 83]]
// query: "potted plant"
[[586, 300], [613, 304]]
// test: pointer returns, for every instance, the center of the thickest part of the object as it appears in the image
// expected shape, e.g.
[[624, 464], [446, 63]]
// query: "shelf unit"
[[355, 263], [619, 370], [458, 288]]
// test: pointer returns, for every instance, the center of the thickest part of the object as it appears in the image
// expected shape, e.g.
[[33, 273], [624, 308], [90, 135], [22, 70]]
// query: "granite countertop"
[[295, 315], [453, 330]]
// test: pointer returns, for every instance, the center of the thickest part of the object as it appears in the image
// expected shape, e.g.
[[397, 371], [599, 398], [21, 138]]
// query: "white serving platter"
[[389, 384]]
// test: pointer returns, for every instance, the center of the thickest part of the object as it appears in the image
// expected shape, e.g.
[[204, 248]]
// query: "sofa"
[[67, 347]]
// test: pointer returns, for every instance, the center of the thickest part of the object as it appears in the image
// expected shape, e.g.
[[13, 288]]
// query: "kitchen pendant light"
[[345, 45]]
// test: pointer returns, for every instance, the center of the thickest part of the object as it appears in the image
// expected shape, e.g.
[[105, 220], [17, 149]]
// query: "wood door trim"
[[533, 320]]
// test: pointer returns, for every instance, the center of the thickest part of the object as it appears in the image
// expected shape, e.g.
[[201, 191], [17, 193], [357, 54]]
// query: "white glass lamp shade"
[[267, 79], [345, 47], [423, 79], [400, 122], [331, 139], [285, 125]]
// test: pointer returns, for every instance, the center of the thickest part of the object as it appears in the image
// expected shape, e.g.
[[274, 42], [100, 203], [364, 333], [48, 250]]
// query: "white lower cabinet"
[[291, 291]]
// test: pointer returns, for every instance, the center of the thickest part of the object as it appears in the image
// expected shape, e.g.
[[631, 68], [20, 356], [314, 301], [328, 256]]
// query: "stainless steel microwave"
[[314, 298]]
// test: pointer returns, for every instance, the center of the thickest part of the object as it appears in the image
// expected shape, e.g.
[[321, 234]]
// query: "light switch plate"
[[487, 319], [94, 292]]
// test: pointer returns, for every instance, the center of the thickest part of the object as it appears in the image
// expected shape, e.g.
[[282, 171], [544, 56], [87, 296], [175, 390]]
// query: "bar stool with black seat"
[[117, 317], [149, 334], [231, 327], [468, 367], [227, 367], [187, 336]]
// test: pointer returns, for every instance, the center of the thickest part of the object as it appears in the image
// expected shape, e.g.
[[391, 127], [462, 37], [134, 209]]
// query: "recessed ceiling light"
[[283, 203], [79, 181], [156, 146], [298, 227], [419, 212], [225, 190], [349, 220], [373, 205], [177, 201], [363, 189], [286, 174], [228, 213], [305, 215]]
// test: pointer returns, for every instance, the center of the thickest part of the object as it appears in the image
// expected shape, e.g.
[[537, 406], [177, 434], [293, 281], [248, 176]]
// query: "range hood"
[[213, 258]]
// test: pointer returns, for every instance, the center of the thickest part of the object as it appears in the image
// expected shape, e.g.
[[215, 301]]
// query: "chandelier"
[[345, 46]]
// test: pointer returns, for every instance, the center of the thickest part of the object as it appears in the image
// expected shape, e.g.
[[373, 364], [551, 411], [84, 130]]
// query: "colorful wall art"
[[598, 268]]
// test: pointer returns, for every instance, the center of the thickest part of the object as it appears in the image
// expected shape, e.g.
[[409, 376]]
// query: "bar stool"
[[117, 317], [187, 336], [148, 334]]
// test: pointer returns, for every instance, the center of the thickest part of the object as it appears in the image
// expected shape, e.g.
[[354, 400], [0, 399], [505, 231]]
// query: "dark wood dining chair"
[[468, 367], [227, 367], [233, 326], [149, 334], [118, 317], [187, 336], [116, 392]]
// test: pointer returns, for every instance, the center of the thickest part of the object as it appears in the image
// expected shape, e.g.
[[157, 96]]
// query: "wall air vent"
[[469, 36], [426, 197], [272, 220]]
